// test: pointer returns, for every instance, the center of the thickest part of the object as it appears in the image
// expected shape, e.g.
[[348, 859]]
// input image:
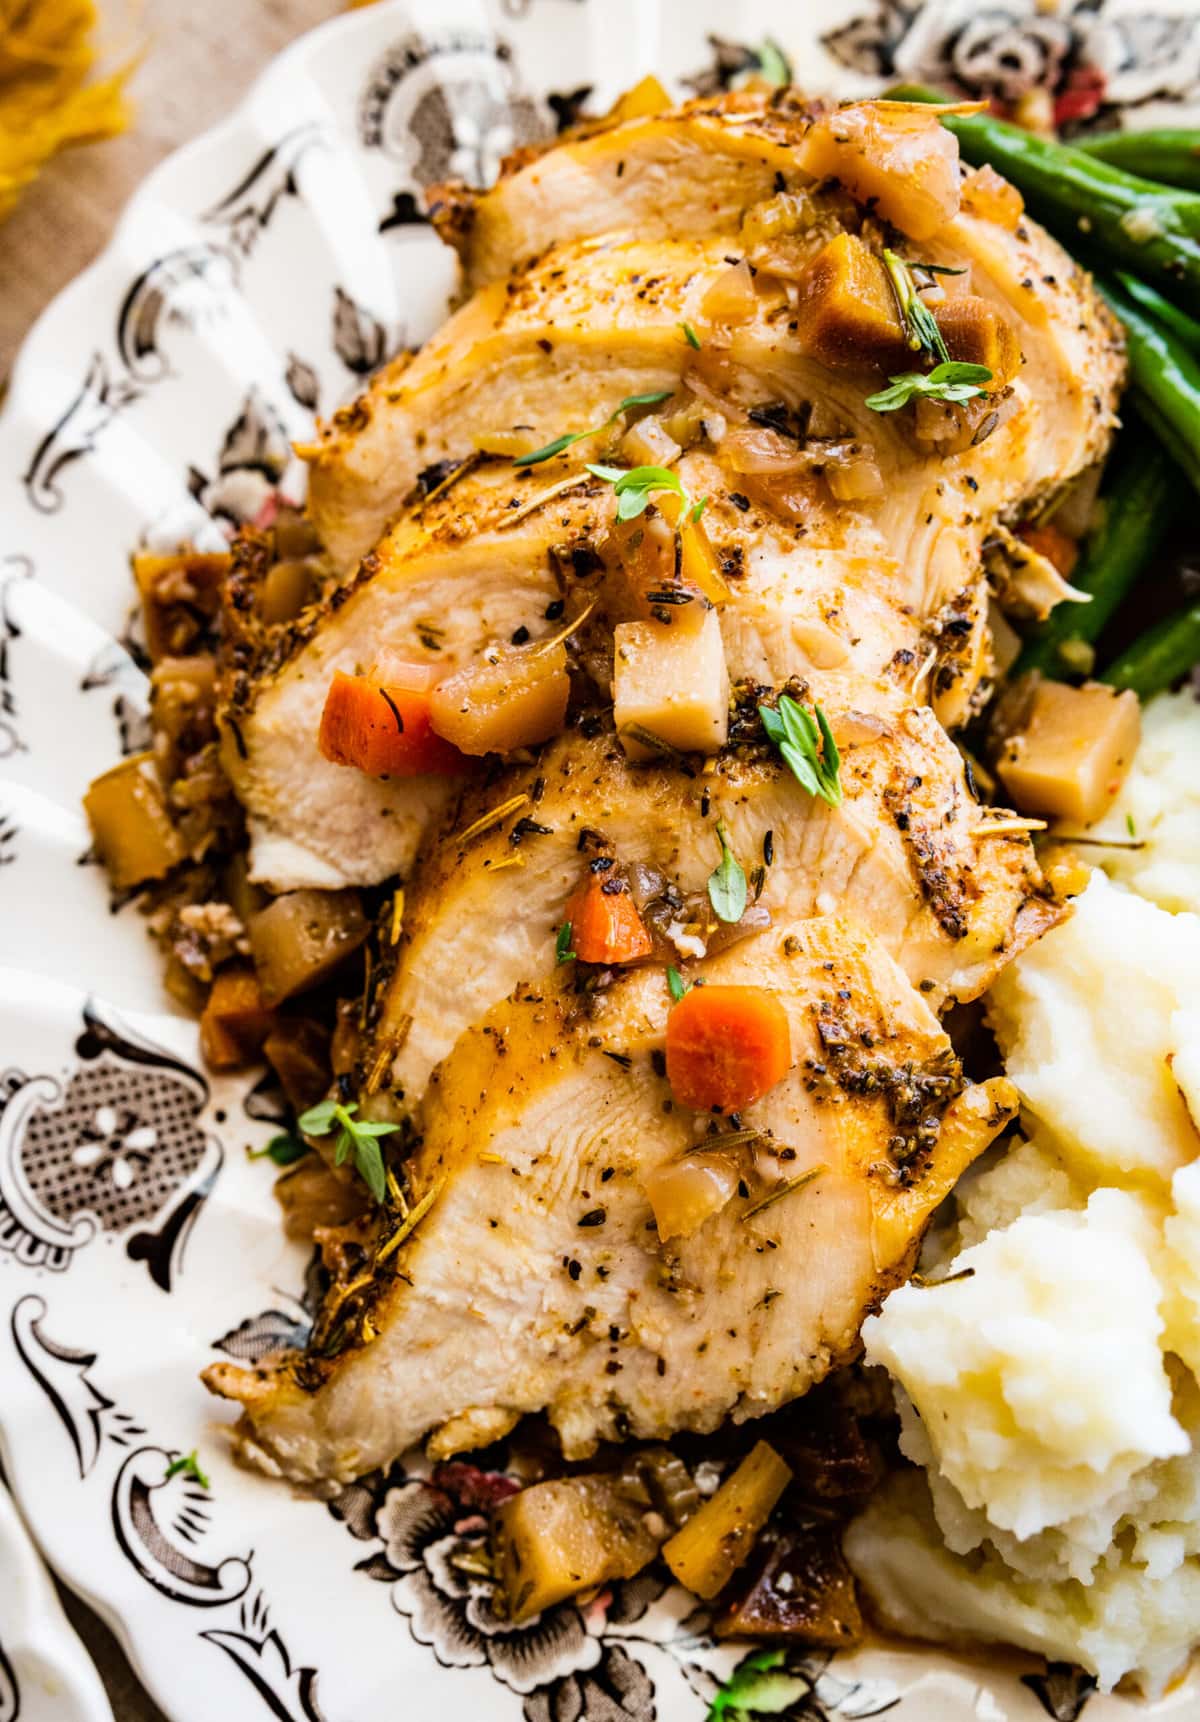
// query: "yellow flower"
[[46, 103]]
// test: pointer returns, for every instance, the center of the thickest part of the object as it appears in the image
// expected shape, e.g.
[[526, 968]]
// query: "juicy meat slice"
[[537, 1280], [448, 579], [910, 865], [689, 172], [555, 348]]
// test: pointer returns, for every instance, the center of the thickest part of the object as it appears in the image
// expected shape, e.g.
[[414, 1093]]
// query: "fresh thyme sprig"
[[635, 485], [806, 743], [562, 442], [727, 882], [920, 325], [951, 382], [356, 1136]]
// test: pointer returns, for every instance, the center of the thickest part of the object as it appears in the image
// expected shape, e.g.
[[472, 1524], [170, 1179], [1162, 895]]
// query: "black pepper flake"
[[527, 827], [739, 501], [769, 847], [538, 790], [621, 1058], [574, 1268], [658, 1061], [601, 864], [554, 609], [520, 635], [705, 803], [608, 1172], [593, 1217], [613, 888]]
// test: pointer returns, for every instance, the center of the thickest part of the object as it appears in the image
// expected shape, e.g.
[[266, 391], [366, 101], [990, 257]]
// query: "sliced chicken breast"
[[913, 866], [537, 1280]]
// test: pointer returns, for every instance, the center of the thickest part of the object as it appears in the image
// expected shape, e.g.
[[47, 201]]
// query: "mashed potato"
[[1099, 1024], [1049, 1400], [1159, 808]]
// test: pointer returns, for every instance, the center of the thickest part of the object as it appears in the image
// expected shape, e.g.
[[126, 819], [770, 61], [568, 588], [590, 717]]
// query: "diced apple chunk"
[[671, 684], [898, 158], [509, 700], [684, 1193], [1070, 749]]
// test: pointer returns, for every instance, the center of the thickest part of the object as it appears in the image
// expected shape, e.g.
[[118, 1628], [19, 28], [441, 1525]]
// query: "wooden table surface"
[[199, 59]]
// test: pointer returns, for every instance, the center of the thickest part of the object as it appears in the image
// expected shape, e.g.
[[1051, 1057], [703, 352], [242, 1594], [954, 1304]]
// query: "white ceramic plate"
[[257, 276]]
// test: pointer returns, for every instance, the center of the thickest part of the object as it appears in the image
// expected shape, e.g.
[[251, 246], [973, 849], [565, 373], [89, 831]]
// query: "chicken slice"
[[537, 1280], [912, 866], [686, 173], [554, 349]]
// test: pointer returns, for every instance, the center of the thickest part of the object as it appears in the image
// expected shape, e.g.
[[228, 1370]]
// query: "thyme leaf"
[[188, 1466], [284, 1150], [635, 485], [562, 944], [650, 399], [806, 744], [951, 382], [690, 336], [676, 984], [920, 325], [727, 882], [356, 1136]]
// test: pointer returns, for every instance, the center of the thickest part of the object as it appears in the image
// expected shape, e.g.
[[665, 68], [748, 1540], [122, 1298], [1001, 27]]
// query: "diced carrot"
[[384, 728], [726, 1047], [236, 1019], [605, 925], [1053, 543]]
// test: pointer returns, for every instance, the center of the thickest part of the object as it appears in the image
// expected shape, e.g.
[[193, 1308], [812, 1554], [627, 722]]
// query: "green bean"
[[1139, 499], [1152, 229], [1159, 657], [1179, 323], [1172, 157], [1165, 378]]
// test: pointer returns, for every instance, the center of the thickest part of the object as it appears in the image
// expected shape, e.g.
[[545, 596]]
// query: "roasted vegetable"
[[554, 1539], [1148, 228], [604, 921], [385, 728], [299, 939], [1183, 327], [1140, 498], [796, 1587], [1169, 155], [714, 1542], [286, 588], [1158, 658], [1066, 750], [726, 1047], [131, 825], [888, 155], [977, 333], [236, 1020], [297, 1049], [847, 315], [505, 700], [670, 687], [180, 598]]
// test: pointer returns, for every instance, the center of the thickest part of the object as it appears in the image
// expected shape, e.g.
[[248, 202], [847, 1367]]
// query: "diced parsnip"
[[1067, 752], [976, 333], [649, 443], [301, 937], [715, 1541], [287, 587], [672, 684], [987, 194], [646, 97], [847, 314], [684, 1193], [131, 826], [513, 442], [180, 597], [236, 1020], [900, 159], [557, 1538], [514, 698], [731, 298]]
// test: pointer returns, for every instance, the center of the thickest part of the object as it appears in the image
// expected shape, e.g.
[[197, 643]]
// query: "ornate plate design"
[[254, 279]]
